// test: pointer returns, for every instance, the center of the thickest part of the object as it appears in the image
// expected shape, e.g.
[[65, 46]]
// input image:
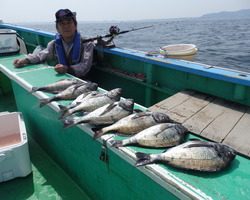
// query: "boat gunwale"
[[215, 72]]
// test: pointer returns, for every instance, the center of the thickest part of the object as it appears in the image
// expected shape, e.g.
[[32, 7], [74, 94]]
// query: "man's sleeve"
[[82, 68], [42, 55]]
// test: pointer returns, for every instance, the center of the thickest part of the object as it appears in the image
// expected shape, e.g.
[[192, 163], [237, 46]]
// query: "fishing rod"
[[114, 31]]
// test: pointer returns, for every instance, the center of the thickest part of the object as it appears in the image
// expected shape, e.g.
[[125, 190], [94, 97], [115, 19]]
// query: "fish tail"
[[98, 134], [68, 123], [142, 159], [63, 111], [43, 102], [116, 143]]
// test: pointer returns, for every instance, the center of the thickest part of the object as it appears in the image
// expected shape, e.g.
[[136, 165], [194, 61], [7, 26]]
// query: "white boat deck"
[[210, 117]]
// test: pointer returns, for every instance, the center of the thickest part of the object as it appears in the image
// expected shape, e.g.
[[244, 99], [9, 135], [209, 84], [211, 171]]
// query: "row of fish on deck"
[[147, 129]]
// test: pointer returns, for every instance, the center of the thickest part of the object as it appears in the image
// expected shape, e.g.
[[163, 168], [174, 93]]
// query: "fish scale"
[[160, 135], [134, 123], [192, 155], [106, 114], [92, 102]]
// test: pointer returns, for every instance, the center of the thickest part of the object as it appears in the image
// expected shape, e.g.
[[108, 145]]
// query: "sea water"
[[221, 42]]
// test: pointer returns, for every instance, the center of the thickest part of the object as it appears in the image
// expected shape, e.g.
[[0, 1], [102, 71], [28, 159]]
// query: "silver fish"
[[134, 123], [107, 114], [70, 93], [192, 155], [57, 86], [78, 100], [94, 101], [160, 135]]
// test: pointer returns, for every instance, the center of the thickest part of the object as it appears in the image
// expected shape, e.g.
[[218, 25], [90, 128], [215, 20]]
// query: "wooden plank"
[[224, 123], [172, 101], [183, 105], [212, 118], [239, 137], [204, 117], [190, 107]]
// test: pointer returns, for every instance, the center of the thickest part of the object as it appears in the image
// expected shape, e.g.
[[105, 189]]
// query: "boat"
[[212, 102]]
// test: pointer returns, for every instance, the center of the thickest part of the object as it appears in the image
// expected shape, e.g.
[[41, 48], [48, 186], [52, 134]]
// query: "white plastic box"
[[14, 153]]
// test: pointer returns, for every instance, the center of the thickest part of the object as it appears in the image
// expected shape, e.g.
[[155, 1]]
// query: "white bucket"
[[179, 50]]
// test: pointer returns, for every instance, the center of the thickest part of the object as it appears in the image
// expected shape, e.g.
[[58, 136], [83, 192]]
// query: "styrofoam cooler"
[[14, 152]]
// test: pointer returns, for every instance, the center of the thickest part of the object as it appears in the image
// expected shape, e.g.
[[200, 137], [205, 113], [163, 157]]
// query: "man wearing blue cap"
[[66, 52]]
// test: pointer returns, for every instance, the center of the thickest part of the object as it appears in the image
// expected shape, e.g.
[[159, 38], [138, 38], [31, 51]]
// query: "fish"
[[57, 86], [70, 93], [94, 101], [107, 114], [134, 123], [192, 155], [78, 100], [160, 135]]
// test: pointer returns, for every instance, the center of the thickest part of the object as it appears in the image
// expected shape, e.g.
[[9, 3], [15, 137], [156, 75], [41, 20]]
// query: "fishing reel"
[[114, 30]]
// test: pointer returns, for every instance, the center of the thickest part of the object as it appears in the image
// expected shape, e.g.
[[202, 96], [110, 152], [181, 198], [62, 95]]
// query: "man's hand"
[[20, 62], [61, 69]]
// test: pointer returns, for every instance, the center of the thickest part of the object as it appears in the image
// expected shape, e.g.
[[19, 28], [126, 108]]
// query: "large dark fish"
[[192, 155], [94, 101], [134, 123], [57, 86], [70, 93], [107, 114], [160, 135]]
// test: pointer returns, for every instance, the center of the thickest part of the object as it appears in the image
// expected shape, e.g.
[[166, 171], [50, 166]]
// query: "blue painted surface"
[[228, 75], [35, 31]]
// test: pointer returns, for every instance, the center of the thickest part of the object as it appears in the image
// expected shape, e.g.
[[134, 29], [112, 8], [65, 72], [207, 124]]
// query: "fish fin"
[[110, 107], [137, 111], [116, 143], [140, 114], [77, 85], [62, 108], [98, 134], [55, 92], [63, 111], [142, 159], [43, 102], [194, 139], [34, 89], [200, 144]]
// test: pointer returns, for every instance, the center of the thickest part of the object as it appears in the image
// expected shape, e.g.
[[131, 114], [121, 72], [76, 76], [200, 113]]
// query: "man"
[[66, 52]]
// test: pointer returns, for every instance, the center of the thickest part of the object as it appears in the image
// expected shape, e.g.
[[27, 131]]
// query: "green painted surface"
[[78, 154], [7, 103], [47, 180], [5, 85], [231, 183], [75, 146], [161, 82], [8, 63]]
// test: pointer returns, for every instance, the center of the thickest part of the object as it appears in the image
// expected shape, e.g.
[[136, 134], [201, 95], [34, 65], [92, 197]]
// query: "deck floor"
[[210, 117]]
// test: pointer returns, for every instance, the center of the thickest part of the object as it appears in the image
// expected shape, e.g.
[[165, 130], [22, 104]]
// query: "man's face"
[[66, 28]]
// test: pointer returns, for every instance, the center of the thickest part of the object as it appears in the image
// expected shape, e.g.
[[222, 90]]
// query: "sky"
[[14, 11]]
